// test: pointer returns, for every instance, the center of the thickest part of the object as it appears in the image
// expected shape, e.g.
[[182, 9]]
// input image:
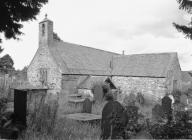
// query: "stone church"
[[58, 65]]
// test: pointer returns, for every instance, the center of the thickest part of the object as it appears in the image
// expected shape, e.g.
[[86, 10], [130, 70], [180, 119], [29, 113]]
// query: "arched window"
[[43, 29]]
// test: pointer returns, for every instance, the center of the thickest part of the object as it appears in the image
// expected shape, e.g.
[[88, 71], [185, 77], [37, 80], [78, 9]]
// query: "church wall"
[[153, 88], [44, 60]]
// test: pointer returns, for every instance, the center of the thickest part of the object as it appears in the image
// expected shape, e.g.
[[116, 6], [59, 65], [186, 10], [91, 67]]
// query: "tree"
[[14, 12], [185, 29], [6, 63]]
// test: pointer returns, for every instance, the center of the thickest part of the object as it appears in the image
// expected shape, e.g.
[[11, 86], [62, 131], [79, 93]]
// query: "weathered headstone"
[[166, 103], [157, 112], [114, 120], [98, 93], [166, 106], [87, 106], [140, 99]]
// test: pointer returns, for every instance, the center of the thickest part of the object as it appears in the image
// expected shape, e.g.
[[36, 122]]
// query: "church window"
[[43, 29]]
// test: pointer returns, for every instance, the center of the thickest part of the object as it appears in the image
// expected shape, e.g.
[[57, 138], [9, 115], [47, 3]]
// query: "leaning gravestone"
[[114, 120], [157, 112], [87, 106], [166, 107]]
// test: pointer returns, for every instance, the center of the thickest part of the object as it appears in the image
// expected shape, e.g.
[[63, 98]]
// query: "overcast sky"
[[140, 26]]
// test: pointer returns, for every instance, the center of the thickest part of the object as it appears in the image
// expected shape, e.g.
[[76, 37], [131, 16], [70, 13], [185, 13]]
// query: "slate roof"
[[77, 59], [145, 65], [185, 76]]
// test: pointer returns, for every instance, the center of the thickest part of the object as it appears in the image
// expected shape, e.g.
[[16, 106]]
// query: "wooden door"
[[20, 106]]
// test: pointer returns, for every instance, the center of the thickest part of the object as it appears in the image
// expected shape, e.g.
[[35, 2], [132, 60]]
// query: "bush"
[[171, 131], [135, 121], [178, 129], [3, 104]]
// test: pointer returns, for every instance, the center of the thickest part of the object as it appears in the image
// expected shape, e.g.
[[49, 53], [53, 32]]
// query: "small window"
[[43, 76], [43, 29]]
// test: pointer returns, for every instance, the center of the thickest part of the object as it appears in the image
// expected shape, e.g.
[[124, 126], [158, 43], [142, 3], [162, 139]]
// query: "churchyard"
[[82, 117]]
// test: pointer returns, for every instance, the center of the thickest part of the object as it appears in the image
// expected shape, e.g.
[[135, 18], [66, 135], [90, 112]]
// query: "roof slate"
[[78, 59], [147, 65]]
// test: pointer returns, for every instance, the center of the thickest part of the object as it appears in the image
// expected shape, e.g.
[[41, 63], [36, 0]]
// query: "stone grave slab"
[[83, 117]]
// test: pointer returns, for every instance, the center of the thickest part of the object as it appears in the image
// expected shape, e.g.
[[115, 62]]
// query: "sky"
[[140, 26]]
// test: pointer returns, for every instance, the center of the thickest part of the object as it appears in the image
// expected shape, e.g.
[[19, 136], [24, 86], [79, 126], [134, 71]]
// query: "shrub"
[[3, 106], [178, 129], [133, 126], [171, 131]]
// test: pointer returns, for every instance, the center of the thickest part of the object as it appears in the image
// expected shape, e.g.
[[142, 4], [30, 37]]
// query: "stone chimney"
[[45, 32]]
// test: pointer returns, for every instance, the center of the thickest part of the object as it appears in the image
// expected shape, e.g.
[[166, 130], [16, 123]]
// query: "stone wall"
[[43, 59], [153, 88], [174, 73]]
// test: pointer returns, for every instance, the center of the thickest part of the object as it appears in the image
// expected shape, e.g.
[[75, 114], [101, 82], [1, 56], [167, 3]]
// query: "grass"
[[47, 127], [68, 130]]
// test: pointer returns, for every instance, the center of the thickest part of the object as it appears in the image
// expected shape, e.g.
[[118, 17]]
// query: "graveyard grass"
[[64, 128]]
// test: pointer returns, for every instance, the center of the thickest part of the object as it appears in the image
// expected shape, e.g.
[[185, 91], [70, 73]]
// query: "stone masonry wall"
[[153, 88], [43, 59], [174, 73]]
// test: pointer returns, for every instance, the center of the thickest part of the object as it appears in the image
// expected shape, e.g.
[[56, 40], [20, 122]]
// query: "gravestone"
[[166, 107], [98, 93], [157, 112], [140, 99], [87, 106], [114, 120]]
